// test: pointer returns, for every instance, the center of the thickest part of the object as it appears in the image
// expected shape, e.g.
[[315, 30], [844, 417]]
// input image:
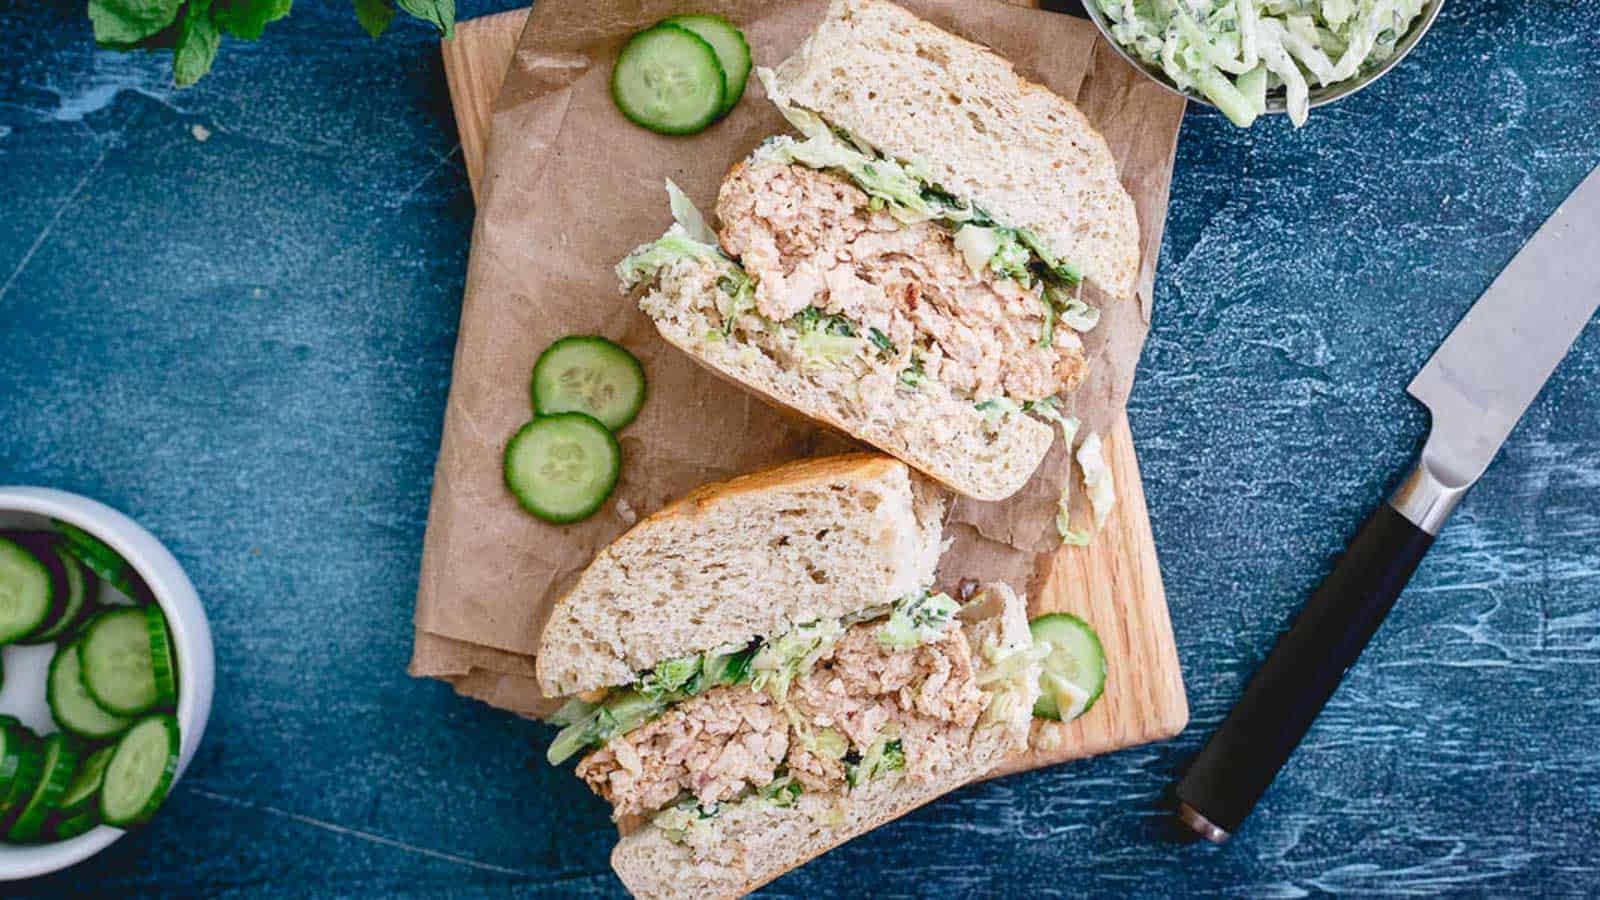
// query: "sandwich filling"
[[822, 256], [824, 710]]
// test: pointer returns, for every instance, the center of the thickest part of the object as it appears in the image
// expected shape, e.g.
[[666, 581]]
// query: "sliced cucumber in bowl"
[[118, 668], [59, 762], [82, 793], [70, 703], [81, 586], [140, 771], [33, 586]]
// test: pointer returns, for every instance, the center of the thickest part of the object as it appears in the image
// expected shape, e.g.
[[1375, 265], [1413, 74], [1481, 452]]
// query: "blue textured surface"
[[245, 343]]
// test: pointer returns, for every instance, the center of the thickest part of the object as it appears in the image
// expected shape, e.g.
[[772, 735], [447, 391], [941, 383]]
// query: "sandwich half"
[[797, 681], [911, 268]]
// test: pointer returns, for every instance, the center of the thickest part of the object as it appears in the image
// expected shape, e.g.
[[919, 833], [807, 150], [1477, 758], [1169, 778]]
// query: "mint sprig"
[[193, 29]]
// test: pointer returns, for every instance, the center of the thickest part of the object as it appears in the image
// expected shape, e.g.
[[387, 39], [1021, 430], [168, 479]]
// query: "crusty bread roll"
[[752, 556]]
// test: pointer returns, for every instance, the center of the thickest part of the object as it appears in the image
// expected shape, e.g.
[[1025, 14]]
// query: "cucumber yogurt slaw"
[[1232, 52]]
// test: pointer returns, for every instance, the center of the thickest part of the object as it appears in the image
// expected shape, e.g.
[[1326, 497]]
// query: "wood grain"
[[1114, 583]]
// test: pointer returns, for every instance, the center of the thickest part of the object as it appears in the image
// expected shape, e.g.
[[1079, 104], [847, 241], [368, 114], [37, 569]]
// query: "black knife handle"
[[1305, 667]]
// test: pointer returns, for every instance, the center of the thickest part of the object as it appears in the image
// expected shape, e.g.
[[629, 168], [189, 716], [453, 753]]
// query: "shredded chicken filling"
[[812, 239], [722, 744]]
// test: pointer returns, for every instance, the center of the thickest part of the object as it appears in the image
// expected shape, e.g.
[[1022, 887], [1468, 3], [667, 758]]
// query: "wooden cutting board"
[[1114, 583]]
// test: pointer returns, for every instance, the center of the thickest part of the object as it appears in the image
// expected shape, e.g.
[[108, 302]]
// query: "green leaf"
[[248, 18], [197, 44], [124, 22], [374, 15], [442, 13]]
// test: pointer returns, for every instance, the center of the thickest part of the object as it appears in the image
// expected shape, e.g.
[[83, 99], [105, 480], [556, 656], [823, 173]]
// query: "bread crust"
[[619, 612]]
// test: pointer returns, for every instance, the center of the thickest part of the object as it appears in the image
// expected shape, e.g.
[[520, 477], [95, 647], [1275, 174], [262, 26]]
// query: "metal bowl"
[[1275, 100]]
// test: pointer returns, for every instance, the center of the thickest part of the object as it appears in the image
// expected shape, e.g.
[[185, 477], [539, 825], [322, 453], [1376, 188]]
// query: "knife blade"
[[1482, 378], [1476, 387]]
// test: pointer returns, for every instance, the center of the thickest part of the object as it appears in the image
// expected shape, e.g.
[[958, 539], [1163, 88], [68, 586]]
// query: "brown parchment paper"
[[569, 188]]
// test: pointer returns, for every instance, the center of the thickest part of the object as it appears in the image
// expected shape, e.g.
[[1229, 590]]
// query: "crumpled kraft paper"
[[569, 188]]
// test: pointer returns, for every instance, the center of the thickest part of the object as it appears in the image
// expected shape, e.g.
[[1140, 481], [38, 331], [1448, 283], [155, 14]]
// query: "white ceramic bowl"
[[26, 667]]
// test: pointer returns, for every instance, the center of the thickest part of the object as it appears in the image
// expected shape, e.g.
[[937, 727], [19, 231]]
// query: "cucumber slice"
[[70, 704], [20, 764], [28, 588], [60, 761], [562, 467], [1074, 673], [140, 772], [117, 667], [65, 828], [162, 664], [81, 584], [103, 561], [80, 795], [668, 80], [590, 375], [733, 51]]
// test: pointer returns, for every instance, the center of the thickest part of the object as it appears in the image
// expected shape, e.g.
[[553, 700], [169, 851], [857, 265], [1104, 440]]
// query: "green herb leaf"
[[374, 15], [125, 22], [248, 18], [442, 13], [197, 46]]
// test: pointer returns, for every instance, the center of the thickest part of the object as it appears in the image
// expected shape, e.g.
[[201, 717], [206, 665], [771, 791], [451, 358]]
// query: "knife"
[[1476, 387]]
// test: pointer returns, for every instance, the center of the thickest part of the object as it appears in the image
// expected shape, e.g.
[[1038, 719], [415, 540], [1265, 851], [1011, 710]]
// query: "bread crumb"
[[200, 132], [625, 512]]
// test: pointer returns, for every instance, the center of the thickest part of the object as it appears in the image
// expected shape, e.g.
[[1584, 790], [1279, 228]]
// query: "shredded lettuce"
[[1048, 409], [1233, 51], [977, 245], [916, 619], [781, 792], [912, 376], [1070, 308], [827, 742], [623, 709], [684, 818], [689, 237], [995, 411], [1001, 250], [1069, 432], [883, 756], [779, 663], [1097, 479], [884, 179], [738, 296], [1010, 675], [670, 677], [647, 260], [685, 213], [825, 340], [1071, 700], [908, 193]]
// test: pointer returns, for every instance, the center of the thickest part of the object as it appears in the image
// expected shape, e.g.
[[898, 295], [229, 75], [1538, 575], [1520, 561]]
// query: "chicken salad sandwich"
[[762, 670], [917, 266]]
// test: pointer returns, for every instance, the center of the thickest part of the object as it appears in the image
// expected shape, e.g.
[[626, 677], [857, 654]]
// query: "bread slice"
[[983, 133], [752, 556], [749, 843], [940, 434]]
